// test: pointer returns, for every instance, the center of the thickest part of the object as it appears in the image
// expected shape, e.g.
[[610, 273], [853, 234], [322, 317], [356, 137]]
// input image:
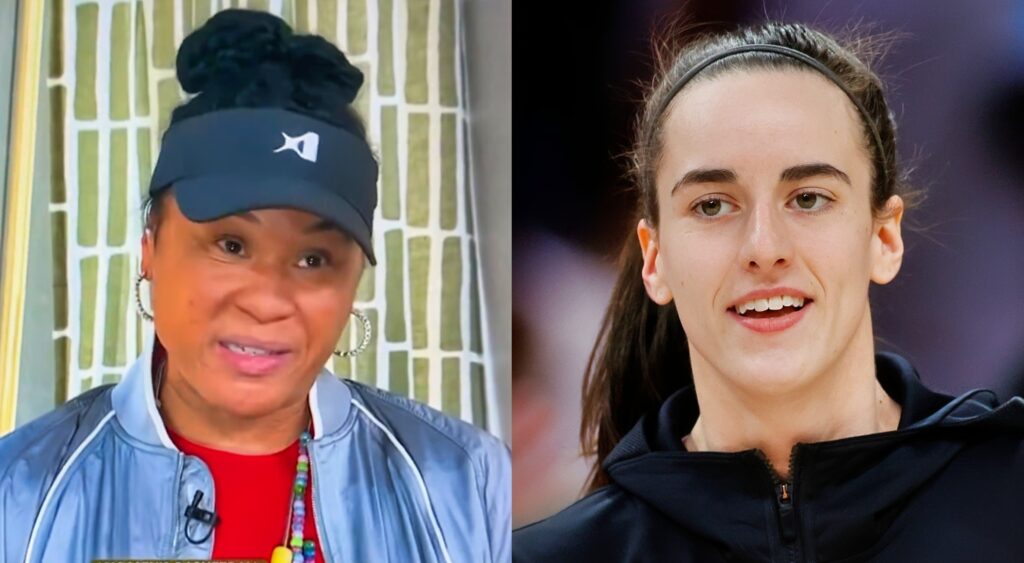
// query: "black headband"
[[241, 159], [779, 50]]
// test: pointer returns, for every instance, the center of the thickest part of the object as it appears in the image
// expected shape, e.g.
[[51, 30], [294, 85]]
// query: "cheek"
[[184, 307], [195, 291], [325, 312], [180, 296], [696, 264], [839, 255]]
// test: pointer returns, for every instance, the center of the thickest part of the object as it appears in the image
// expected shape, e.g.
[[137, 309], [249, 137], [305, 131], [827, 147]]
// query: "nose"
[[767, 245], [267, 296]]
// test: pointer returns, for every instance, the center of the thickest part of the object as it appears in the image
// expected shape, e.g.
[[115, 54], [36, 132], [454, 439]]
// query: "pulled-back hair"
[[252, 59], [641, 355]]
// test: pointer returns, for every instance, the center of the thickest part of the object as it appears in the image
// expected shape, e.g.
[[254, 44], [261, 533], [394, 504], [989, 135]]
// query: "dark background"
[[955, 81]]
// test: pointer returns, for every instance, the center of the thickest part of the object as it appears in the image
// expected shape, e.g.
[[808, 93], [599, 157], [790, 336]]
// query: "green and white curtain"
[[112, 87]]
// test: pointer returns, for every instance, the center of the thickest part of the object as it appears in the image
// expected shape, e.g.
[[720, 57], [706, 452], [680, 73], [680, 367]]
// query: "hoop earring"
[[138, 299], [364, 341]]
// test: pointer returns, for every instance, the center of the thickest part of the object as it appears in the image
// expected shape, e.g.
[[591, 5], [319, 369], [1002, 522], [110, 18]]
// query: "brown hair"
[[641, 354]]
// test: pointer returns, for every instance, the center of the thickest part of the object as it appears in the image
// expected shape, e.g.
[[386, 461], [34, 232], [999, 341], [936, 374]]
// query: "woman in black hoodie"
[[735, 403]]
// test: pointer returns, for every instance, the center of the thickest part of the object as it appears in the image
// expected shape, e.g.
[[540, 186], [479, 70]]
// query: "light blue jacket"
[[394, 480]]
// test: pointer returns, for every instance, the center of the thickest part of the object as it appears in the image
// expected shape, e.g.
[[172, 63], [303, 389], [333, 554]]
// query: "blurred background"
[[955, 82]]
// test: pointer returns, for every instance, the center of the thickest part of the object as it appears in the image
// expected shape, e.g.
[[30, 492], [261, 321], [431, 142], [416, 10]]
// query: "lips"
[[251, 357], [777, 322], [252, 350], [769, 305], [771, 309]]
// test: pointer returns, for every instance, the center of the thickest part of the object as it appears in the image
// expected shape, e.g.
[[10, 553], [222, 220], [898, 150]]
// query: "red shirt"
[[253, 497]]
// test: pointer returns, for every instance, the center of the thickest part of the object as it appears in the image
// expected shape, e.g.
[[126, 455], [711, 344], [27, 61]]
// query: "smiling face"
[[251, 306], [763, 192]]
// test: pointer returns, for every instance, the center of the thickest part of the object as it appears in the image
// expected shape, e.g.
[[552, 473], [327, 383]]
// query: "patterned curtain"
[[112, 87]]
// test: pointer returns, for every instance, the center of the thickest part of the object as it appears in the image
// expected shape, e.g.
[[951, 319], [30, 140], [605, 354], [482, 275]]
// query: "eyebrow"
[[319, 226], [804, 171], [705, 176], [791, 174]]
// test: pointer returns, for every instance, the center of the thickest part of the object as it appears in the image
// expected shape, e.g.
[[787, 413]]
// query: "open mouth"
[[252, 350], [252, 359], [770, 308]]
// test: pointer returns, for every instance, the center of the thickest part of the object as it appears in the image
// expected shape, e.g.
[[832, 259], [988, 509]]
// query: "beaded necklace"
[[295, 550]]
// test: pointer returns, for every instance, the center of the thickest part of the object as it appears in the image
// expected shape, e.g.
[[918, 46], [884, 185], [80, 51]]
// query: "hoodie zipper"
[[787, 517], [788, 524]]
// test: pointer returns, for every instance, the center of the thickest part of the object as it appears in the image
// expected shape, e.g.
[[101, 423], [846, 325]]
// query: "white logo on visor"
[[305, 146]]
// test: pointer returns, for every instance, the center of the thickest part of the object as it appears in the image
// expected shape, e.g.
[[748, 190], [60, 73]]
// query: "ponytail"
[[640, 358]]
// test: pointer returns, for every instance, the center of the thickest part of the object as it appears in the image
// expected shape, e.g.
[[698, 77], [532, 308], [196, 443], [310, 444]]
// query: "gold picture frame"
[[13, 274]]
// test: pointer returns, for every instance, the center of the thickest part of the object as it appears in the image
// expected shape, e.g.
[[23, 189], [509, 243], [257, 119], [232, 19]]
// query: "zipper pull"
[[787, 517]]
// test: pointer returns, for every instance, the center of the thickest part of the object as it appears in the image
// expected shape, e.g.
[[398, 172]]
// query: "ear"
[[887, 242], [148, 248], [653, 270]]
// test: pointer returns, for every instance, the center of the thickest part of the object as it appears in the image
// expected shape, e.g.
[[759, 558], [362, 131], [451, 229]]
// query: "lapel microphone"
[[194, 512]]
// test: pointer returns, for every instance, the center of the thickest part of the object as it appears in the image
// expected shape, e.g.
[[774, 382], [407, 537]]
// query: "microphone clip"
[[194, 512]]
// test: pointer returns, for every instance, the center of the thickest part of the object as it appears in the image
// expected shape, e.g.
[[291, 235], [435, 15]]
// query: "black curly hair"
[[252, 59]]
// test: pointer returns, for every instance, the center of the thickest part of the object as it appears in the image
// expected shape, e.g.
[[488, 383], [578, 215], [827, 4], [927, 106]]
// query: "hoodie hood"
[[845, 492]]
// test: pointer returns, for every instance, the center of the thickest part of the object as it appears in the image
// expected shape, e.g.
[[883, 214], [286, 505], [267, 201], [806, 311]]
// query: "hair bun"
[[318, 65], [229, 45]]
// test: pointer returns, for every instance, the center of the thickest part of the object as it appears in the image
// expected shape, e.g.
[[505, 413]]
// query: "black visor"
[[230, 161]]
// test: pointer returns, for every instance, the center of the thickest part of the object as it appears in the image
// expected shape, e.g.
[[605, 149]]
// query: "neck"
[[846, 400], [191, 417]]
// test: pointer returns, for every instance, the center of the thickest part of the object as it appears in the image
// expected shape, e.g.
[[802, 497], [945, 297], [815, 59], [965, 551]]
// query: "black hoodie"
[[946, 486]]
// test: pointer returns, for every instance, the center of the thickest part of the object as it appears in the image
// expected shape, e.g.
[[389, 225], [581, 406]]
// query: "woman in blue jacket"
[[735, 404], [227, 438]]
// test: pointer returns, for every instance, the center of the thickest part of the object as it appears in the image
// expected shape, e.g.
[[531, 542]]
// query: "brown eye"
[[313, 260], [712, 207], [231, 246], [811, 201]]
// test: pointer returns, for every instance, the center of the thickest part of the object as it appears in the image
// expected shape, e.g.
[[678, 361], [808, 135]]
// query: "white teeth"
[[247, 350], [773, 303]]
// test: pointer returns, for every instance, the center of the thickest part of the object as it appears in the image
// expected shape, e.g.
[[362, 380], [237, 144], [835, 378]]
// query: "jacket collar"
[[851, 485], [134, 402]]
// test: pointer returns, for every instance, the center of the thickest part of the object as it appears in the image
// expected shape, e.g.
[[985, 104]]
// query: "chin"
[[249, 408], [772, 372], [245, 400]]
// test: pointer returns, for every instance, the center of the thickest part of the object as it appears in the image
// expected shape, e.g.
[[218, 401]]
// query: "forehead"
[[768, 119]]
